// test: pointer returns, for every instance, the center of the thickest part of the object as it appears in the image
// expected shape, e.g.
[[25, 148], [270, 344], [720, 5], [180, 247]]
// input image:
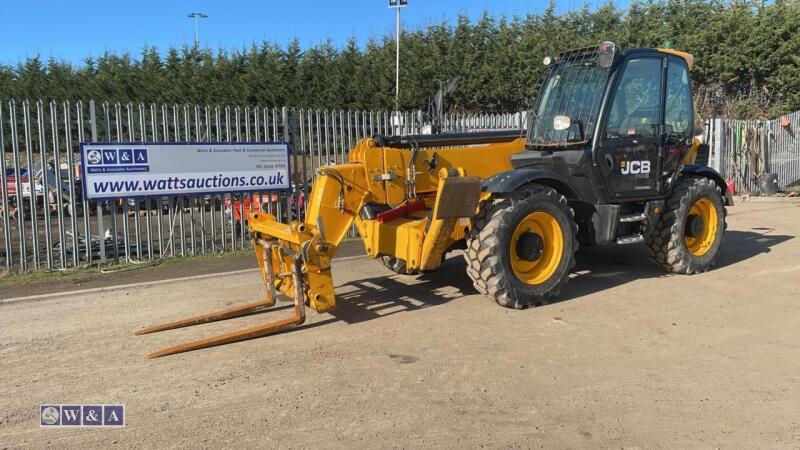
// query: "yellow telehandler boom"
[[607, 158], [410, 203]]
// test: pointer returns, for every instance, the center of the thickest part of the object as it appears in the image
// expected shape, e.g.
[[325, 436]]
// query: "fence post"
[[26, 111], [72, 202], [6, 218], [717, 140], [287, 137], [46, 181], [100, 224], [23, 253], [87, 231]]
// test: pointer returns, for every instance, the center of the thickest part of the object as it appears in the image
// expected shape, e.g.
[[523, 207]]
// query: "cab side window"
[[636, 108], [678, 113]]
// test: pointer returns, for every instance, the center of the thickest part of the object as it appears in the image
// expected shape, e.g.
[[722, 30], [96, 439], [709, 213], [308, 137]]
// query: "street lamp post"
[[397, 4], [197, 16]]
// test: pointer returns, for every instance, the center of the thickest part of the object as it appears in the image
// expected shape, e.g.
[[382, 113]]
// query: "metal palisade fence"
[[47, 224], [743, 150]]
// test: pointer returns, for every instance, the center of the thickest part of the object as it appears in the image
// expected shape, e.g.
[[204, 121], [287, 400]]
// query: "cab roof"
[[593, 49], [685, 56]]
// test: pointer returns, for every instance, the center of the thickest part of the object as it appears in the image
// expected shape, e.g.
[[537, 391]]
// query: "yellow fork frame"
[[269, 278], [295, 259]]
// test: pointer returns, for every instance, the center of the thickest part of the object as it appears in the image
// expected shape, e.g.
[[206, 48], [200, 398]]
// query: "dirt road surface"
[[628, 358]]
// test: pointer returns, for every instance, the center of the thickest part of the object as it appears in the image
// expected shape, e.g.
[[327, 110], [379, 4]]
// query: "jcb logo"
[[635, 167]]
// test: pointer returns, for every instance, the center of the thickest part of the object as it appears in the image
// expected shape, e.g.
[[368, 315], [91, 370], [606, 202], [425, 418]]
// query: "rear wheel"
[[688, 235], [522, 247]]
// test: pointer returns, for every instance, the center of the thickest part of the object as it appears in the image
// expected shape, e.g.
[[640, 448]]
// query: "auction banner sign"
[[115, 170]]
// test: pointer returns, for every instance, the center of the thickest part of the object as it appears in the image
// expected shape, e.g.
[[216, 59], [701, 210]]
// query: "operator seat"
[[641, 122]]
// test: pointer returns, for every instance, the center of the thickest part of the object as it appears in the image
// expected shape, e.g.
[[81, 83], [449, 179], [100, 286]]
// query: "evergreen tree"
[[746, 62]]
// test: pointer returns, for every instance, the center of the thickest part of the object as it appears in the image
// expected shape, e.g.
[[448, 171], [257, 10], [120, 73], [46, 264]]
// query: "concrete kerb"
[[136, 285]]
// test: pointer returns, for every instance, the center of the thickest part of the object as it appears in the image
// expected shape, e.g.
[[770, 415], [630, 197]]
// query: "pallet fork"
[[269, 278]]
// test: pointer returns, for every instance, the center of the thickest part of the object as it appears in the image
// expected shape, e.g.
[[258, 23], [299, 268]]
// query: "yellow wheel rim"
[[540, 269], [703, 209]]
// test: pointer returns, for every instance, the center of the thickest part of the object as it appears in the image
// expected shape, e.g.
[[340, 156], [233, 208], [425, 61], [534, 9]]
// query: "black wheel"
[[688, 234], [522, 247], [396, 265]]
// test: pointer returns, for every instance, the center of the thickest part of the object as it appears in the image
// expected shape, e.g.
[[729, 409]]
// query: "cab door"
[[678, 115], [631, 140]]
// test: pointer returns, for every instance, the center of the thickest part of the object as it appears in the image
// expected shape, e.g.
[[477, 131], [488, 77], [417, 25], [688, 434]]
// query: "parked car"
[[11, 183], [10, 187]]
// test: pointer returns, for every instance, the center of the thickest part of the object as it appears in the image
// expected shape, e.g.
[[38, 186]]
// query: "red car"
[[25, 181]]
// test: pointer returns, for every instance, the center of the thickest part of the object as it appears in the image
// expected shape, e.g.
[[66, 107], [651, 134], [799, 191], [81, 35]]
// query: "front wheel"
[[688, 234], [522, 247]]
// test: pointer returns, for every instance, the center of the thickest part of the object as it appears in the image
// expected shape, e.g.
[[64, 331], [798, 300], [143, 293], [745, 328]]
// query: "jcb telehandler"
[[607, 158]]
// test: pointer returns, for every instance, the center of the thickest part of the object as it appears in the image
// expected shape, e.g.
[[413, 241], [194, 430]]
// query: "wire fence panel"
[[748, 149], [783, 158], [46, 224]]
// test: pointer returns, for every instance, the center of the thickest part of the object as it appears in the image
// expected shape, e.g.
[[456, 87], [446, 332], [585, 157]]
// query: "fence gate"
[[742, 150]]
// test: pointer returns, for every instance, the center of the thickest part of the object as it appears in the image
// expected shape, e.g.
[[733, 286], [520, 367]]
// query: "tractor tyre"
[[522, 247], [396, 265], [473, 263], [688, 235]]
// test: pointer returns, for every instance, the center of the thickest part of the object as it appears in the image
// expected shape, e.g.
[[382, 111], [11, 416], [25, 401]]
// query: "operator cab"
[[615, 123]]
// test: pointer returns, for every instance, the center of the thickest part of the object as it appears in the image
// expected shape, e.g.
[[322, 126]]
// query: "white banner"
[[114, 170]]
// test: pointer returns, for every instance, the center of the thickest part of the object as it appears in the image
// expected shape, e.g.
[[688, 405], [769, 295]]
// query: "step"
[[633, 218], [632, 239]]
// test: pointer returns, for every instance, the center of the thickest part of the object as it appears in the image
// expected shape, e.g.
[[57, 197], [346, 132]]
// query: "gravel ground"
[[628, 358]]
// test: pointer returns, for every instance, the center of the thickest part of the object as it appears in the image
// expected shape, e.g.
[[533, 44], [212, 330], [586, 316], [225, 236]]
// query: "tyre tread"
[[665, 245], [486, 268]]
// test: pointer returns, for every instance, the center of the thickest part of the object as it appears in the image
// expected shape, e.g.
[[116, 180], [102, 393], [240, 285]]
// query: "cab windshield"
[[573, 88]]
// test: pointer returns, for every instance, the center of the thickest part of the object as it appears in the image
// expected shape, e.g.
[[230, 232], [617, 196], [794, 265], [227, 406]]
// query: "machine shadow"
[[742, 245], [372, 298], [597, 269]]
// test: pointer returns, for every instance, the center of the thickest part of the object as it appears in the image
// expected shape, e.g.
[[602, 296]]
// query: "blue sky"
[[74, 29]]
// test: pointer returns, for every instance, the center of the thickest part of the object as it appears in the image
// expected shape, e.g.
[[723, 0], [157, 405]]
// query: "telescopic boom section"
[[409, 198]]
